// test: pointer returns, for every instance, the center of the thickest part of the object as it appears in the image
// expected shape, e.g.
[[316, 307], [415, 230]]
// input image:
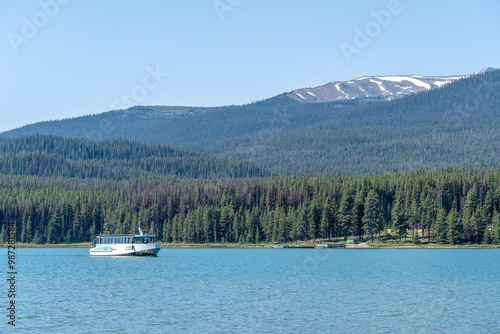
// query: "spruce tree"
[[345, 214], [416, 239], [487, 237], [358, 213], [399, 218], [496, 227], [372, 217], [454, 228], [440, 229]]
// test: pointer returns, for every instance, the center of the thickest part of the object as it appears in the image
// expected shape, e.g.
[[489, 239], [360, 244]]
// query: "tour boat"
[[124, 245]]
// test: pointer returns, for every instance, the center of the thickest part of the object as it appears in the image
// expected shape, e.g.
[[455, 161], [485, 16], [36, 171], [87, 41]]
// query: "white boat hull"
[[125, 250]]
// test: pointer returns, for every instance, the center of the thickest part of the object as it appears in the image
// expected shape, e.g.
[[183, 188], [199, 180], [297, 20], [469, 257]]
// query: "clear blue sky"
[[84, 55]]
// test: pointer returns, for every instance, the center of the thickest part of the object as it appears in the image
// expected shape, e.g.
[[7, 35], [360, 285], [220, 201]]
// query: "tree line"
[[448, 206], [45, 155]]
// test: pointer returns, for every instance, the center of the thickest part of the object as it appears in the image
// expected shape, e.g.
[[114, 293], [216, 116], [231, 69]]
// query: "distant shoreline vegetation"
[[445, 207], [407, 245]]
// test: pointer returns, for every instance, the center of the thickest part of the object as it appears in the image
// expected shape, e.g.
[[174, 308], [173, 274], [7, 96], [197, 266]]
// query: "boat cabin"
[[125, 239]]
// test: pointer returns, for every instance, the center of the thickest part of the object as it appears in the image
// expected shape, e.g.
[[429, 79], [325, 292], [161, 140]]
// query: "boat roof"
[[126, 235]]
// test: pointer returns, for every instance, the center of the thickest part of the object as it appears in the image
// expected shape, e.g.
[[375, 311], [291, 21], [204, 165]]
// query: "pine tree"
[[454, 227], [358, 213], [399, 218], [414, 217], [429, 214], [345, 214], [324, 225], [417, 238], [372, 217], [487, 237], [328, 219], [54, 228], [27, 231], [313, 220], [440, 229], [496, 227]]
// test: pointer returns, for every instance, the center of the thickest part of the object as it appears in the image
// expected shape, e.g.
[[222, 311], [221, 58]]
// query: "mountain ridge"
[[302, 95], [452, 125], [381, 86]]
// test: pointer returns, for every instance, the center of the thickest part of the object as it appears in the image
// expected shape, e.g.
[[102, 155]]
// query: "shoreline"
[[267, 246]]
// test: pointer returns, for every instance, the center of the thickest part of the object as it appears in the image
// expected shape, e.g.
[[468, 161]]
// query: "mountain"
[[454, 124], [42, 155], [485, 70], [386, 87]]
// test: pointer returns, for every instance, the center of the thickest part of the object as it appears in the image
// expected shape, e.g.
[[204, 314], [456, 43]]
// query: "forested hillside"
[[43, 155], [452, 206], [455, 125]]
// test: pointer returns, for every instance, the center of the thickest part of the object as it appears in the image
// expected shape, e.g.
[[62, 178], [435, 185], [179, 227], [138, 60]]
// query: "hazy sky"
[[66, 58]]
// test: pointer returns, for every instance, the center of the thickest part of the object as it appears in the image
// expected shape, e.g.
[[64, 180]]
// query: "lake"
[[63, 290]]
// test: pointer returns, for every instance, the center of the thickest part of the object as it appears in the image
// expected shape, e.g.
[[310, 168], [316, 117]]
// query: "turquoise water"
[[259, 291]]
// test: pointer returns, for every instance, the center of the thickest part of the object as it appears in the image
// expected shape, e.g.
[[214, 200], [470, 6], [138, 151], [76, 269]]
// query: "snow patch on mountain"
[[379, 87], [405, 78], [340, 90], [379, 84]]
